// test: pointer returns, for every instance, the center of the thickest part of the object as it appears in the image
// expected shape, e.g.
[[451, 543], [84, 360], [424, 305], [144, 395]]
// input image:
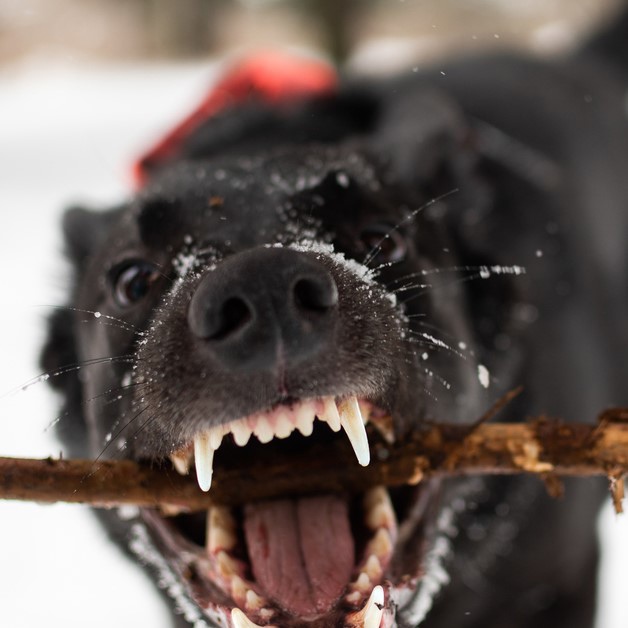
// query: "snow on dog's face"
[[251, 306]]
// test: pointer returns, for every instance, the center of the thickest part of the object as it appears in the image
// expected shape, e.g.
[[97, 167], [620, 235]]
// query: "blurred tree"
[[181, 27], [188, 27], [337, 19]]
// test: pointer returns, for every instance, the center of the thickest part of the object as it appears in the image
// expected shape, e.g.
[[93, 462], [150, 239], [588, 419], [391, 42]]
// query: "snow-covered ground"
[[68, 132]]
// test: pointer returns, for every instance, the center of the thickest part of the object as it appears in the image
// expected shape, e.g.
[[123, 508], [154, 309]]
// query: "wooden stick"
[[544, 447]]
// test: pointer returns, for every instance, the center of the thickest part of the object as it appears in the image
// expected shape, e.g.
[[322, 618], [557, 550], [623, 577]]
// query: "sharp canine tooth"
[[204, 460], [353, 425], [330, 414], [374, 609], [240, 620]]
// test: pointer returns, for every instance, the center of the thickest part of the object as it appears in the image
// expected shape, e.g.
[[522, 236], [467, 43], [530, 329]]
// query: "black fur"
[[485, 162]]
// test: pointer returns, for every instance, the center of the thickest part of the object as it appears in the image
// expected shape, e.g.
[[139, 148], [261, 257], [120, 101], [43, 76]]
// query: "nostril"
[[315, 293], [234, 315], [219, 319]]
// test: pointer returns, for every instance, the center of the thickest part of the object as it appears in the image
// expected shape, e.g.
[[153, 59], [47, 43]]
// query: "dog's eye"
[[133, 281], [384, 243]]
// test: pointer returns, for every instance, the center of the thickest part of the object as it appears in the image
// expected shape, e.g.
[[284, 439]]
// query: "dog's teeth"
[[228, 566], [283, 426], [221, 527], [379, 509], [280, 424], [238, 589], [254, 601], [370, 616], [181, 462], [363, 583], [240, 620], [203, 460], [353, 425], [381, 545], [241, 432], [374, 609], [263, 430], [266, 614], [330, 414], [373, 568], [305, 419]]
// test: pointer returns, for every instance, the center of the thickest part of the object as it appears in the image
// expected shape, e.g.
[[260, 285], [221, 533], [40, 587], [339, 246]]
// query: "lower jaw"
[[214, 568]]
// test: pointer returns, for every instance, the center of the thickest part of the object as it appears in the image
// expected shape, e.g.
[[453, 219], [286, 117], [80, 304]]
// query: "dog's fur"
[[510, 162]]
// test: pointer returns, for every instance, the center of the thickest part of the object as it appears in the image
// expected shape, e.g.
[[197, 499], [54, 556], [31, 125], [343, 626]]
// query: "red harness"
[[271, 77]]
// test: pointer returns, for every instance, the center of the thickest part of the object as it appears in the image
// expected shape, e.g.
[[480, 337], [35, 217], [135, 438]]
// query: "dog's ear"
[[429, 146], [59, 352], [434, 149], [84, 230], [425, 140], [57, 359]]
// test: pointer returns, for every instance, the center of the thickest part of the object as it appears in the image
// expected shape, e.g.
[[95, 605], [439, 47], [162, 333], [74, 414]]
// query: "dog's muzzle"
[[268, 308]]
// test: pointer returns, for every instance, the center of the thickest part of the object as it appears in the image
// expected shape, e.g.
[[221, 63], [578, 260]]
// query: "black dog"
[[413, 248]]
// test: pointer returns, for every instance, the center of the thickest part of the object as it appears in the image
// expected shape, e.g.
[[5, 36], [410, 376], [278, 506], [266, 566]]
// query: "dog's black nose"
[[264, 308]]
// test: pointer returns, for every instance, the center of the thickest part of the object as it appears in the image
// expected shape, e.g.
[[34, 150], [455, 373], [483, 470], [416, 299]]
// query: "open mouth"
[[335, 560]]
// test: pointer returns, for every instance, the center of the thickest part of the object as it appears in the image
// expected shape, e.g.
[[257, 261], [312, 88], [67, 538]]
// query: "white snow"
[[69, 132], [362, 272], [436, 576], [484, 376]]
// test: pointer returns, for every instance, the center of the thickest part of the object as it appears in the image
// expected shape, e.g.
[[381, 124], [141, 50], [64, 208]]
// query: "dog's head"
[[297, 275]]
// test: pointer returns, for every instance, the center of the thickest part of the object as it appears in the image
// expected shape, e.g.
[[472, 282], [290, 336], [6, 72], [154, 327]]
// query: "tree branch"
[[544, 447]]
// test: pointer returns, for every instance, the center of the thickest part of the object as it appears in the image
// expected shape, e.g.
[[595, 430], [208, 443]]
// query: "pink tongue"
[[302, 551]]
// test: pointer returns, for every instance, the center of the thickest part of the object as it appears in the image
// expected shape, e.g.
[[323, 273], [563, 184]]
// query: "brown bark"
[[544, 447]]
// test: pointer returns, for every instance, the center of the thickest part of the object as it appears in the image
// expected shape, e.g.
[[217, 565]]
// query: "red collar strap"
[[271, 77]]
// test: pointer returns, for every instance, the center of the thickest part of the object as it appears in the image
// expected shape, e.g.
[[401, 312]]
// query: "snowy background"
[[69, 129], [67, 133]]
